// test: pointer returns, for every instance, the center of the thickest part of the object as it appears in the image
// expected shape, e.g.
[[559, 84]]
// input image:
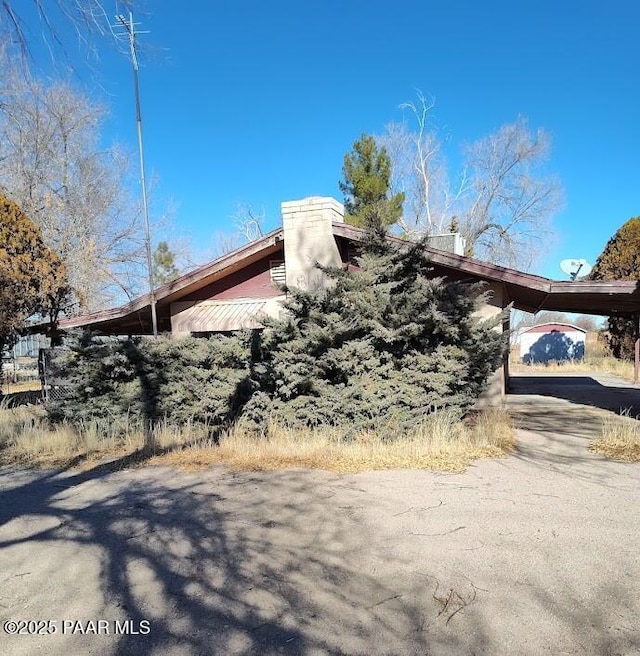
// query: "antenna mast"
[[131, 33]]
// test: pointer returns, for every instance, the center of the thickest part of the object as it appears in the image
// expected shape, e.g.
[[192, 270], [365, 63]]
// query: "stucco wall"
[[493, 396]]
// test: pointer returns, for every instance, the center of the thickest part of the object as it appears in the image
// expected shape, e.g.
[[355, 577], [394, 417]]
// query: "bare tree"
[[246, 226], [420, 171], [499, 201], [248, 222], [507, 215], [587, 321], [52, 165], [223, 243], [87, 17]]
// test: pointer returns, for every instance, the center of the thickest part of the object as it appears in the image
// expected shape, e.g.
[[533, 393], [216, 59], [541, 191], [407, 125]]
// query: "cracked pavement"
[[531, 554]]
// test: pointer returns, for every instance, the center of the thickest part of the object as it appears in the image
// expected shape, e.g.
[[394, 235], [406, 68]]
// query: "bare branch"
[[419, 169], [78, 193], [248, 222], [508, 219], [89, 19], [501, 202]]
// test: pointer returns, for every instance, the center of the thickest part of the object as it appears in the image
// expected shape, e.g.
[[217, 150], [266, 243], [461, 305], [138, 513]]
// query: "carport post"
[[506, 328], [636, 359]]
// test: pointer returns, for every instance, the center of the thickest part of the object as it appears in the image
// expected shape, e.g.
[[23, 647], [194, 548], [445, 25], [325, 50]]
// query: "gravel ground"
[[532, 554]]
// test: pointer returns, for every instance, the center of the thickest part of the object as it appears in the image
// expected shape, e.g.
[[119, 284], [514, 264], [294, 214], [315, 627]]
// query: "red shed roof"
[[553, 326]]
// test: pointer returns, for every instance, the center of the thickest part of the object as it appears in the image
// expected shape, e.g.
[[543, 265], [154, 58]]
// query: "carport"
[[619, 298], [531, 293]]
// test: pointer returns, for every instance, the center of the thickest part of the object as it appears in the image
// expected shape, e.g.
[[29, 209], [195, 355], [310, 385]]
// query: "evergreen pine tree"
[[385, 343], [164, 266], [367, 176], [620, 260]]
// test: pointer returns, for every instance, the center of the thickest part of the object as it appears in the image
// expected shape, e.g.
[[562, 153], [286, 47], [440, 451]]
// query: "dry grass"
[[22, 386], [620, 439], [622, 368], [597, 358], [441, 442], [27, 439]]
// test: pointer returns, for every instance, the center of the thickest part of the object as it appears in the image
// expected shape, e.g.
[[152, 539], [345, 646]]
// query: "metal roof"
[[221, 316]]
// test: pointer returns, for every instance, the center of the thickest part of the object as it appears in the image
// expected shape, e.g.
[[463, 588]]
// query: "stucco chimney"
[[308, 238]]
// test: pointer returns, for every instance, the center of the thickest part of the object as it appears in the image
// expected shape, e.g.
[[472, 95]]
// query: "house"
[[234, 291], [547, 342]]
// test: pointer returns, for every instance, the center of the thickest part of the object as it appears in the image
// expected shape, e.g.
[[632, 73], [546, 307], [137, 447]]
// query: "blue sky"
[[254, 102]]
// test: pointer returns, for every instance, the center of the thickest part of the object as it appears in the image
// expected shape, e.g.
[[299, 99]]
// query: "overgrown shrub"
[[385, 343], [202, 380]]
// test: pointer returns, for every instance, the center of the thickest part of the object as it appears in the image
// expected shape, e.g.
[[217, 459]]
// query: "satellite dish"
[[576, 268]]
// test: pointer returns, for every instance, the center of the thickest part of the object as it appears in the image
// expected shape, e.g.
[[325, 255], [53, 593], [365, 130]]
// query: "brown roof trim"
[[227, 261], [185, 283], [594, 287], [527, 291], [459, 262]]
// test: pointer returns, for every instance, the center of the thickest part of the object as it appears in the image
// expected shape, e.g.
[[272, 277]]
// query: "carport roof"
[[620, 297]]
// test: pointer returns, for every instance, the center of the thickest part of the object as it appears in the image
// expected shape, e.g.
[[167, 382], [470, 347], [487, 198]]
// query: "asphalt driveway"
[[532, 554], [599, 390]]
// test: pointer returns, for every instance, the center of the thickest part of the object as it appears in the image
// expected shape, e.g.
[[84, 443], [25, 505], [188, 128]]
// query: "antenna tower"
[[130, 32]]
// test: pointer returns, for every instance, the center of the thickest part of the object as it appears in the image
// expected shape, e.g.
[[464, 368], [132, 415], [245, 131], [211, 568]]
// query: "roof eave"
[[188, 282]]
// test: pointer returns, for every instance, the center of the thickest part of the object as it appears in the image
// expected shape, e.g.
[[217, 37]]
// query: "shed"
[[552, 341]]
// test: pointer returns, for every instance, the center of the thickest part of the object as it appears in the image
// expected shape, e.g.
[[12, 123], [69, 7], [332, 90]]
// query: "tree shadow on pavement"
[[218, 563], [557, 440], [584, 390]]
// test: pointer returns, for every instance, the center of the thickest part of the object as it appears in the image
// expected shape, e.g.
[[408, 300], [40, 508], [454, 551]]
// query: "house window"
[[278, 272]]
